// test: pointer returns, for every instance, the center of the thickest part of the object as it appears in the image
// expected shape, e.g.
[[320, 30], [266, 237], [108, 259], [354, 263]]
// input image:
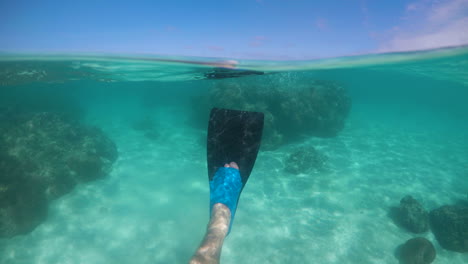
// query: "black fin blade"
[[234, 135]]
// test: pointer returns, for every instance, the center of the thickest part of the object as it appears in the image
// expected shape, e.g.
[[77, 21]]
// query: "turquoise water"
[[406, 134]]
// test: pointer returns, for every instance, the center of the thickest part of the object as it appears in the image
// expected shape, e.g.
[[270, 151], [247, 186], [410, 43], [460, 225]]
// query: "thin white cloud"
[[431, 24], [365, 14], [454, 34], [321, 24], [449, 11], [215, 48], [412, 7], [257, 41]]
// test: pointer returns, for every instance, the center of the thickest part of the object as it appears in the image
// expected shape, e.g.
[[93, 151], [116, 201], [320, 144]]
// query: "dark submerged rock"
[[23, 204], [449, 224], [42, 157], [63, 151], [416, 251], [304, 159], [292, 109], [411, 215]]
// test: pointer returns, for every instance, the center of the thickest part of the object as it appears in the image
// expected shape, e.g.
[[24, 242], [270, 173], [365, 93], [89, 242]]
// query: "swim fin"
[[233, 136]]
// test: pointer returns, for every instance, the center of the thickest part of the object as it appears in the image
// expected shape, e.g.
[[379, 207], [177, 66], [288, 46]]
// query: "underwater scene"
[[363, 159]]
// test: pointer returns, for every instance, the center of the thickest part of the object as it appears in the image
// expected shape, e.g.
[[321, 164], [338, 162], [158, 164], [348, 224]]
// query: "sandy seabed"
[[153, 207]]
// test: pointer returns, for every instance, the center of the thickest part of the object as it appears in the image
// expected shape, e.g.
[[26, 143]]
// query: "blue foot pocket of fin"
[[225, 188]]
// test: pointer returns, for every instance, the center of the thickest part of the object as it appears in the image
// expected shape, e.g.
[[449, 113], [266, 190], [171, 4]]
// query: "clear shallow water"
[[406, 134]]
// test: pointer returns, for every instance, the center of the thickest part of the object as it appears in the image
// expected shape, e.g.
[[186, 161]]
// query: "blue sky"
[[255, 29]]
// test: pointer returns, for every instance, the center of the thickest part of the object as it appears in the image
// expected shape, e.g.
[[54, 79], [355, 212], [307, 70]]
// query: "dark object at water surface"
[[449, 224], [221, 73], [416, 251], [412, 216]]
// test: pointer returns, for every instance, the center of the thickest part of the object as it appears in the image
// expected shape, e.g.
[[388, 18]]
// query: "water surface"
[[406, 134]]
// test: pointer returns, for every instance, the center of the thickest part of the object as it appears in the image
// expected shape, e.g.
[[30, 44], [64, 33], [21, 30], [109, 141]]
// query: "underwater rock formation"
[[63, 152], [304, 159], [412, 216], [449, 224], [23, 204], [417, 250], [305, 108], [44, 156]]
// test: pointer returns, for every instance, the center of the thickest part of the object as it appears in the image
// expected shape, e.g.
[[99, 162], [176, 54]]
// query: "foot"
[[232, 165]]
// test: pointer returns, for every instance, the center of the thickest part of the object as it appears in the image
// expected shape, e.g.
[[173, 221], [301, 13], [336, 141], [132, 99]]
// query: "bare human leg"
[[209, 251]]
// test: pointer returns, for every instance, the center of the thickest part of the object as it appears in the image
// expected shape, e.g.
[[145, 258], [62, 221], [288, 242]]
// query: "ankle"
[[220, 220]]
